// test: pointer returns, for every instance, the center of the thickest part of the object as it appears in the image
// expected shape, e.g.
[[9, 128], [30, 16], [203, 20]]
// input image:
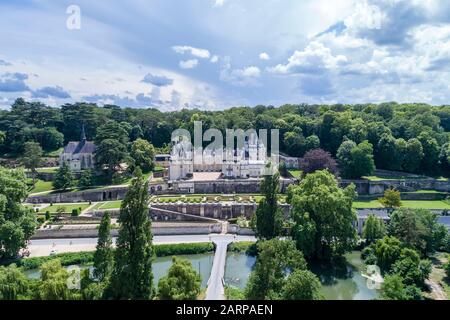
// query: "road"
[[39, 248], [215, 290]]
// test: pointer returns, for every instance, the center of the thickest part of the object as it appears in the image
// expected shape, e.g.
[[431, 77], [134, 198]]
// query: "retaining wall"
[[89, 232]]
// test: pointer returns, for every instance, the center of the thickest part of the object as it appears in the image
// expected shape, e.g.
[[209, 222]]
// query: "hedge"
[[73, 258], [240, 246], [164, 250]]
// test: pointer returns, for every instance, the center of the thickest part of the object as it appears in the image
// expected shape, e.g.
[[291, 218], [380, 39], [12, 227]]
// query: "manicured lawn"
[[426, 204], [389, 177], [48, 170], [433, 204], [67, 207], [42, 186], [367, 204], [296, 173], [425, 191], [111, 205]]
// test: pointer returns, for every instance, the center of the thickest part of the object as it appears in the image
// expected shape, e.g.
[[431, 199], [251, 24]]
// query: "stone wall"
[[225, 186], [92, 232], [238, 186], [222, 211], [109, 194], [235, 229]]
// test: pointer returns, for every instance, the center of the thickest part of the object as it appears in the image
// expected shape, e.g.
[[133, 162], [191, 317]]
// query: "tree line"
[[404, 137]]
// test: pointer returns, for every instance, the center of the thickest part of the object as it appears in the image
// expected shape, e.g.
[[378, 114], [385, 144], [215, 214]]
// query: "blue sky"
[[214, 54]]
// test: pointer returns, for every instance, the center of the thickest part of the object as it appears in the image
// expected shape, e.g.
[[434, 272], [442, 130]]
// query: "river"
[[338, 282], [202, 263]]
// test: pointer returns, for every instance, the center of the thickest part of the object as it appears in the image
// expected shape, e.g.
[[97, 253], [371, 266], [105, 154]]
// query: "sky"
[[216, 54]]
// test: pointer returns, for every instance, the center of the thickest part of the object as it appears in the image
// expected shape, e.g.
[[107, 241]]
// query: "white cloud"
[[188, 64], [219, 3], [240, 77], [214, 59], [264, 56], [315, 58], [365, 16], [196, 52]]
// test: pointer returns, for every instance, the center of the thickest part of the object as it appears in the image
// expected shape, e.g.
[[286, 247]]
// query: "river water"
[[338, 282], [202, 263]]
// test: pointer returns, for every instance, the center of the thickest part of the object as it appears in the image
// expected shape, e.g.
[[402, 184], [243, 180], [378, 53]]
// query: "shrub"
[[165, 250], [447, 267], [245, 246], [68, 259], [76, 212], [233, 293], [40, 220]]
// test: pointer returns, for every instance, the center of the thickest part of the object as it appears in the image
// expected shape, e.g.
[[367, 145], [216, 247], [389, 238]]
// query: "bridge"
[[215, 289]]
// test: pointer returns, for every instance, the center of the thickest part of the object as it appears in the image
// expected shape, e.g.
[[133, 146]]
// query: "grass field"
[[383, 178], [67, 207], [296, 173], [41, 186], [432, 204], [111, 205]]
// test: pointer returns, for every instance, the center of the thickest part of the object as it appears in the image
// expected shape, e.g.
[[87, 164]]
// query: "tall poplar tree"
[[268, 216], [132, 276], [104, 256]]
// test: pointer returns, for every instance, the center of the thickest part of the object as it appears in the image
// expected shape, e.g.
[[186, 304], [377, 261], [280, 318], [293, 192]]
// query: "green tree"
[[412, 270], [85, 180], [111, 130], [132, 274], [374, 228], [295, 143], [356, 160], [104, 256], [2, 137], [63, 178], [447, 266], [52, 139], [31, 158], [181, 283], [418, 229], [393, 288], [431, 152], [268, 216], [388, 155], [391, 199], [14, 285], [323, 216], [17, 224], [53, 284], [312, 143], [387, 251], [413, 155], [444, 158], [302, 285], [142, 154], [275, 259], [110, 154]]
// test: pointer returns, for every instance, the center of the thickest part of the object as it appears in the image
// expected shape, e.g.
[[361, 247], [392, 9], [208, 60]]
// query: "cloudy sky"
[[213, 54]]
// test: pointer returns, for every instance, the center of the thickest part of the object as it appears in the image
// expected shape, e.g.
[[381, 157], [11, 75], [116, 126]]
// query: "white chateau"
[[246, 162], [79, 155]]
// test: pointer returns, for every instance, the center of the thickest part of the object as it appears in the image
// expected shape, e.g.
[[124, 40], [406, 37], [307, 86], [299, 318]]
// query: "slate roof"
[[75, 147]]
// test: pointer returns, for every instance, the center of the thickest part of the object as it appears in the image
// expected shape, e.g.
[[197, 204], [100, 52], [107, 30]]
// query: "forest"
[[412, 138]]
